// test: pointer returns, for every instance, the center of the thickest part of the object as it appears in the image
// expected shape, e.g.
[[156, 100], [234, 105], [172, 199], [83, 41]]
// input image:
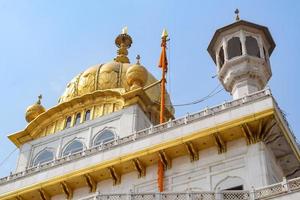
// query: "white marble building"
[[103, 140]]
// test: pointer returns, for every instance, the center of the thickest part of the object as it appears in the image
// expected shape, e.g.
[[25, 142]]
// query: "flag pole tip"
[[164, 33]]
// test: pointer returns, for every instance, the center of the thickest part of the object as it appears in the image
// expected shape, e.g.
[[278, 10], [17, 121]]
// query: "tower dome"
[[34, 110]]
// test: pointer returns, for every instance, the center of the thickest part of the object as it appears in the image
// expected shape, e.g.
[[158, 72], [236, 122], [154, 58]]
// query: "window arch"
[[73, 147], [68, 122], [77, 118], [87, 115], [234, 47], [230, 183], [252, 46], [104, 137], [42, 157]]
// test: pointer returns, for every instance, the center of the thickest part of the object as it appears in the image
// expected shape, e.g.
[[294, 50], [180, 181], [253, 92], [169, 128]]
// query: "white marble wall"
[[122, 123], [240, 165]]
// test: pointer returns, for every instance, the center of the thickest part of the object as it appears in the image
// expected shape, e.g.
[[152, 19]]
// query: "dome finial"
[[125, 30], [39, 99], [138, 57], [123, 42], [237, 12]]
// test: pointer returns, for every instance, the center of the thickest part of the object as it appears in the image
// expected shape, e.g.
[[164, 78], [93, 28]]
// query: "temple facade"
[[104, 139]]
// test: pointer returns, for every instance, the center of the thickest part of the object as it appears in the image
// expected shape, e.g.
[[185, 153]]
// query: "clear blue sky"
[[43, 44]]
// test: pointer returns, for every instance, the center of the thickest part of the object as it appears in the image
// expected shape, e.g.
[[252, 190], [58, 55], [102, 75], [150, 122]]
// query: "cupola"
[[34, 110], [241, 51]]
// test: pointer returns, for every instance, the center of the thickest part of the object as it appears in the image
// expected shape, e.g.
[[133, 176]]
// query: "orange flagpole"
[[163, 63]]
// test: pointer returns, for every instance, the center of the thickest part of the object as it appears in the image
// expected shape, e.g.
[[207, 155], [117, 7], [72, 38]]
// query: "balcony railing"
[[272, 191], [140, 134]]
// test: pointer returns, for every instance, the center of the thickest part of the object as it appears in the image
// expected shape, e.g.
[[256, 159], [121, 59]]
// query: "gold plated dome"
[[34, 110], [114, 76], [136, 75], [118, 76]]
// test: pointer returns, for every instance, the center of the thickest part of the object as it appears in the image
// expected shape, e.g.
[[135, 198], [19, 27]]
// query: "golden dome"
[[136, 75], [119, 81], [114, 76], [34, 110]]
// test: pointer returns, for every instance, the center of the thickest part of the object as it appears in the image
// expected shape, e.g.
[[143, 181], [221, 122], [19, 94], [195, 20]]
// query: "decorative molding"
[[141, 169], [115, 176], [91, 183], [192, 151], [44, 195], [166, 161], [128, 157], [67, 190], [219, 142], [19, 198]]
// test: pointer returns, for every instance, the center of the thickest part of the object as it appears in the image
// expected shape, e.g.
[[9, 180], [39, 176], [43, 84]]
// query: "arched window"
[[234, 47], [252, 46], [87, 115], [230, 183], [73, 147], [103, 137], [221, 57], [43, 157], [77, 119], [68, 122]]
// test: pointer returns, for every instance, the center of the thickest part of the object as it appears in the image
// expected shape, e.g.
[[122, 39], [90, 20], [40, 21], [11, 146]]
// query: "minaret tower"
[[241, 51]]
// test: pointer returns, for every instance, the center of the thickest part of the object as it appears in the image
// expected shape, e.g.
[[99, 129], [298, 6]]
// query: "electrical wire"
[[199, 100], [214, 92], [7, 157]]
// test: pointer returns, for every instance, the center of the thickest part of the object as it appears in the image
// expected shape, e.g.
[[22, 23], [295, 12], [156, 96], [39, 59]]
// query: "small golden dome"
[[34, 110], [136, 75]]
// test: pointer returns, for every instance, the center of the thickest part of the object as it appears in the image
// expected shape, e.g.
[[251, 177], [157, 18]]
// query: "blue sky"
[[44, 44]]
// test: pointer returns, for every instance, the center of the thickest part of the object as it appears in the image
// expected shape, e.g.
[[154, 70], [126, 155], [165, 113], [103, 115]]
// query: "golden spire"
[[237, 12], [123, 42]]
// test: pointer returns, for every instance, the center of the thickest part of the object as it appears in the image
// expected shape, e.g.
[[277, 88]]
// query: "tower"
[[241, 51]]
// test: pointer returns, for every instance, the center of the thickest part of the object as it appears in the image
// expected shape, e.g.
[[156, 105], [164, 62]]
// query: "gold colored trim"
[[115, 176], [67, 190], [166, 161], [44, 195], [139, 167], [147, 151], [221, 145], [91, 183], [192, 151], [246, 134], [35, 127]]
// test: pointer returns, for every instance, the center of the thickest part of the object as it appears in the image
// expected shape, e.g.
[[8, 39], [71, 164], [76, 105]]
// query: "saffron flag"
[[160, 176], [163, 62]]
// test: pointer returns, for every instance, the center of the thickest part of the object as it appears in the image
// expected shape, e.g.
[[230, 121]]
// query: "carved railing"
[[268, 192], [140, 134]]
